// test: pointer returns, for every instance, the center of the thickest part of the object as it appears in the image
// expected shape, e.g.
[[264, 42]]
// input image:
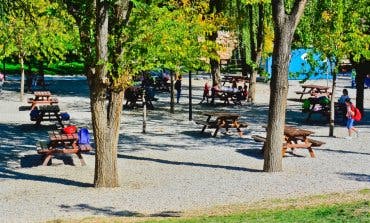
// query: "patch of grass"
[[58, 68], [364, 191], [353, 212]]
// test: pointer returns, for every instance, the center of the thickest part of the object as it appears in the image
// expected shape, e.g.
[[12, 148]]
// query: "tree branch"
[[297, 12]]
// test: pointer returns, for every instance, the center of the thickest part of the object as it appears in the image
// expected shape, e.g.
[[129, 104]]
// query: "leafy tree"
[[38, 29], [339, 30]]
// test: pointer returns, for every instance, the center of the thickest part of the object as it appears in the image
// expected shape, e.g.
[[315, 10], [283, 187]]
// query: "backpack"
[[357, 116], [83, 136], [34, 114]]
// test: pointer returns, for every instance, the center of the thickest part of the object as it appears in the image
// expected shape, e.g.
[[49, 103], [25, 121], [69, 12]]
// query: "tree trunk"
[[332, 108], [106, 119], [215, 7], [284, 27], [362, 69], [21, 61], [257, 56]]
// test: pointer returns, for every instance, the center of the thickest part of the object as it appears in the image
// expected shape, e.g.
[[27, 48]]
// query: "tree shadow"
[[180, 163], [356, 176], [10, 174], [342, 151], [108, 211]]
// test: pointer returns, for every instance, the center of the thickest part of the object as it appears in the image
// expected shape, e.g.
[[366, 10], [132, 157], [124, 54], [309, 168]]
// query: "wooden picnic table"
[[42, 98], [134, 94], [61, 143], [48, 113], [294, 138], [222, 120], [226, 95], [309, 88], [230, 78]]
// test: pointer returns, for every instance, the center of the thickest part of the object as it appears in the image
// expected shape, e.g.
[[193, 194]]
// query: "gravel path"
[[172, 168]]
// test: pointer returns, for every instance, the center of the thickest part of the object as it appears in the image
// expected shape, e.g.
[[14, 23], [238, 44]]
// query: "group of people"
[[349, 111], [241, 92]]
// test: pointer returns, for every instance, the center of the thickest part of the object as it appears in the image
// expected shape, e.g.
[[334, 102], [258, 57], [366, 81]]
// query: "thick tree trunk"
[[105, 119], [21, 61], [332, 108], [284, 27], [362, 69], [278, 99]]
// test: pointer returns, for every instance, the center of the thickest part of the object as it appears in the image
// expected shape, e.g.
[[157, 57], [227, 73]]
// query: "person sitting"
[[214, 92], [342, 99]]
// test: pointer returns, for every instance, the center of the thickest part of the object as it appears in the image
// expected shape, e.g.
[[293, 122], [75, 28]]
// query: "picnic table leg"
[[205, 126], [46, 159], [83, 163], [216, 131], [312, 153]]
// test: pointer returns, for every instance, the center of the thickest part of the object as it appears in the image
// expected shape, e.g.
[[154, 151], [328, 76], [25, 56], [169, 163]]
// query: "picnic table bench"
[[47, 113], [42, 98], [227, 95], [294, 138], [222, 120], [309, 88], [61, 143]]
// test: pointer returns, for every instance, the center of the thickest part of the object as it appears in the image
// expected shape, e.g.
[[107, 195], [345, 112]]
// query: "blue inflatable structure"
[[300, 69]]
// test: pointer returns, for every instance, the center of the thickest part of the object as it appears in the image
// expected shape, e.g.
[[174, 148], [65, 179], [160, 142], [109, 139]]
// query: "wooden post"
[[144, 112], [190, 99]]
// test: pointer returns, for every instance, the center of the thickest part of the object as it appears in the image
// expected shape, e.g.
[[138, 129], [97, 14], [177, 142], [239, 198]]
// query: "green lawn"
[[353, 212], [60, 68]]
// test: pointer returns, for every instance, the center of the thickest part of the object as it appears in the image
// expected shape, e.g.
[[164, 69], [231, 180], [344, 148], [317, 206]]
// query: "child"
[[350, 114], [343, 98], [205, 92]]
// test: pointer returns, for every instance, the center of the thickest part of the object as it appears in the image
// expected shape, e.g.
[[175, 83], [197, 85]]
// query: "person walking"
[[350, 118], [2, 79], [178, 88]]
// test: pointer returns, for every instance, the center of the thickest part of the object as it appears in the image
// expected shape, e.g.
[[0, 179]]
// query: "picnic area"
[[196, 168]]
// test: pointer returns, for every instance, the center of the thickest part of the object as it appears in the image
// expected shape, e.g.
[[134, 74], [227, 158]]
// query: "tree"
[[338, 30], [38, 30], [284, 27]]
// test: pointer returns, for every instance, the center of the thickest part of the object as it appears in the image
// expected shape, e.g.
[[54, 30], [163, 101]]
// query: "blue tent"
[[300, 69]]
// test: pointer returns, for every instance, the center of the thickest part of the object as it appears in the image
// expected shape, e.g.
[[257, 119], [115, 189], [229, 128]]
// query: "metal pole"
[[144, 112], [190, 99]]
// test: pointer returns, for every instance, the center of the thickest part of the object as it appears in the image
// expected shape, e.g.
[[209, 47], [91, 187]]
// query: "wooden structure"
[[48, 113], [42, 98], [231, 78], [316, 107], [310, 88], [61, 143], [227, 95], [222, 120], [294, 138], [133, 95]]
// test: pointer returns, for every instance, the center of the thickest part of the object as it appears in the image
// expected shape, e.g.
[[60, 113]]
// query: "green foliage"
[[40, 30], [339, 29], [169, 36]]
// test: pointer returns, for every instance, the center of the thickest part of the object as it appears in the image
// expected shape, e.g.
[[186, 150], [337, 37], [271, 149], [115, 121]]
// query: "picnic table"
[[42, 98], [134, 94], [309, 89], [222, 120], [61, 143], [226, 95], [47, 113], [230, 78], [294, 138]]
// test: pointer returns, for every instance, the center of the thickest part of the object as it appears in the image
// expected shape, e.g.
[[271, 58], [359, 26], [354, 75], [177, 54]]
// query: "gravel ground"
[[172, 168]]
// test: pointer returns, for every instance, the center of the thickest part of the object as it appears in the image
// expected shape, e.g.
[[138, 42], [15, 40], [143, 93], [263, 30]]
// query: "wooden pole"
[[190, 99]]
